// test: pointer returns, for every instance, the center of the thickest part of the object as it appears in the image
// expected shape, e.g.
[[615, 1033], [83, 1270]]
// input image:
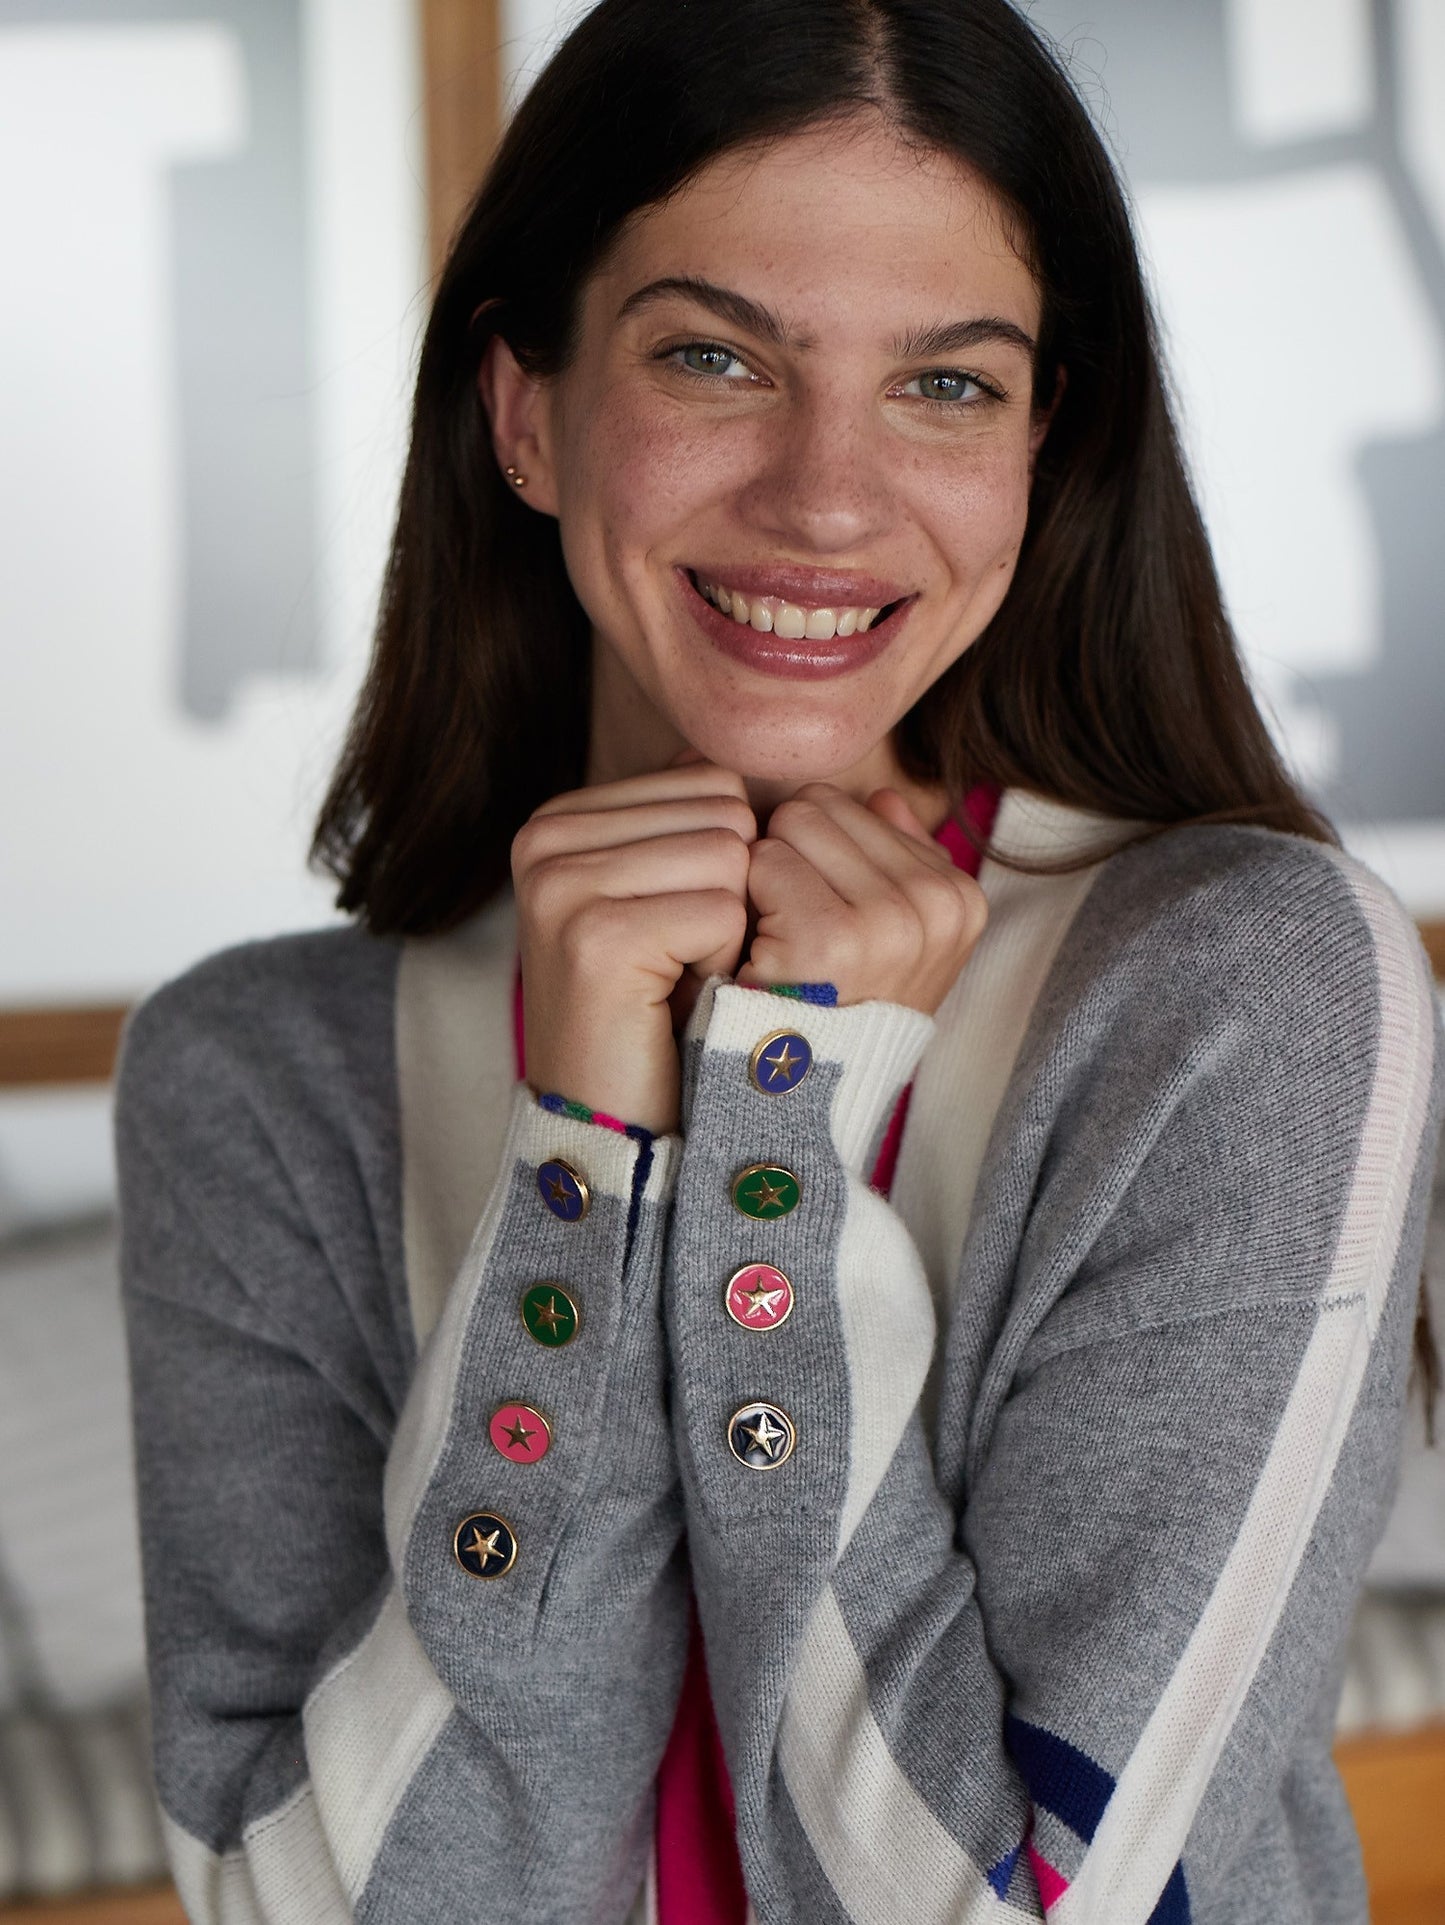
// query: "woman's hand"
[[861, 897], [619, 889]]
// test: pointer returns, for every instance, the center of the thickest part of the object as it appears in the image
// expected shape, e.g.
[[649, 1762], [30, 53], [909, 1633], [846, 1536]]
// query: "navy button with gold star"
[[766, 1191], [761, 1436], [564, 1190], [485, 1545], [780, 1062]]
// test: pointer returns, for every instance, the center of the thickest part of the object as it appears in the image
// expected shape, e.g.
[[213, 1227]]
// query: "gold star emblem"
[[548, 1313], [766, 1195], [765, 1434], [558, 1186], [761, 1301], [782, 1063], [518, 1435], [486, 1547]]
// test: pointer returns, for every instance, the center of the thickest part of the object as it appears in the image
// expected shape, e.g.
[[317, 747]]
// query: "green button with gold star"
[[761, 1435], [485, 1545], [780, 1062], [550, 1315], [766, 1191]]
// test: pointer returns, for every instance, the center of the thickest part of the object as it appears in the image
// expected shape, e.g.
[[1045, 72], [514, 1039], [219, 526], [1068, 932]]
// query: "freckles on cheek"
[[984, 513], [649, 461]]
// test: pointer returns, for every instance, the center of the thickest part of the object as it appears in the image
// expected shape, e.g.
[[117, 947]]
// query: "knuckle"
[[594, 924], [549, 887], [797, 812], [739, 818], [727, 909]]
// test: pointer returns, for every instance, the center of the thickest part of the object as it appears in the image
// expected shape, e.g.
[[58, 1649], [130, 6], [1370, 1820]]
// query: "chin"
[[785, 752]]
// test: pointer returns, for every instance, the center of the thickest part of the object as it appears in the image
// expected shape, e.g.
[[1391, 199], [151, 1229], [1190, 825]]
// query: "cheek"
[[978, 507], [644, 467]]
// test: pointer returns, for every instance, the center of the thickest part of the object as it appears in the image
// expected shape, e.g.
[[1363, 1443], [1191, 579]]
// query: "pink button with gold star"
[[520, 1433], [758, 1296]]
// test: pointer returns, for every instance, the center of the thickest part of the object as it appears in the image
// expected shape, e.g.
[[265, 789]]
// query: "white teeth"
[[787, 619]]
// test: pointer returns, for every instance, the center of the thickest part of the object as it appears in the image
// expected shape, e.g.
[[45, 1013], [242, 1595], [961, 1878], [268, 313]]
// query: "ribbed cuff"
[[877, 1046]]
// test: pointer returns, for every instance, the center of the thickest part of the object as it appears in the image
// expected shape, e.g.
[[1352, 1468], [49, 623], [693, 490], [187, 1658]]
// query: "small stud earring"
[[512, 475]]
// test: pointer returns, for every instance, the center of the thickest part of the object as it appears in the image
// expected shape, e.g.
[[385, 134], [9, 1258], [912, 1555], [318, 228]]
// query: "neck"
[[628, 736]]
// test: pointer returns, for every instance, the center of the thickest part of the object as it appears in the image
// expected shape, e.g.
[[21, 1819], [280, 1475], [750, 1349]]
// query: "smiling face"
[[782, 422]]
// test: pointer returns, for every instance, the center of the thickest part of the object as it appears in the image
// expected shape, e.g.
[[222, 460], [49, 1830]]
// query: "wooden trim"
[[462, 104], [143, 1905], [1396, 1784], [59, 1045]]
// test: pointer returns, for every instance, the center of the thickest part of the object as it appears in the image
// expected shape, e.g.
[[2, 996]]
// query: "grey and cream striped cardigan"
[[1098, 1417]]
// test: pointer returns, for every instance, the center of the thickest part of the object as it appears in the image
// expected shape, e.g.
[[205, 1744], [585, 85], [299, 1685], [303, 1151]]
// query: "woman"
[[792, 503]]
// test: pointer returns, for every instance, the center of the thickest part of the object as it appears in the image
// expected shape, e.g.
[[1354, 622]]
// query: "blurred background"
[[219, 221]]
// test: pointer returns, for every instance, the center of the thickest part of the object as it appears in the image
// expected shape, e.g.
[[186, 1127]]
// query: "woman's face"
[[788, 413]]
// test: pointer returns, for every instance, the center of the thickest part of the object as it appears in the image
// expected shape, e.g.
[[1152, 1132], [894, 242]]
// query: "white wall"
[[138, 837]]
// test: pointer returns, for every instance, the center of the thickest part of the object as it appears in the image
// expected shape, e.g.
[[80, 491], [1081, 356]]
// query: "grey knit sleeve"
[[398, 1674], [1071, 1646]]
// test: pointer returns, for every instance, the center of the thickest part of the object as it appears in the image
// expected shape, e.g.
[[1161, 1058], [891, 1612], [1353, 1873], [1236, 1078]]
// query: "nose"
[[822, 487]]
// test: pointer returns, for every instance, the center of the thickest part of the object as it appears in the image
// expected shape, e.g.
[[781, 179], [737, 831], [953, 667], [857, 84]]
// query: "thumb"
[[889, 804]]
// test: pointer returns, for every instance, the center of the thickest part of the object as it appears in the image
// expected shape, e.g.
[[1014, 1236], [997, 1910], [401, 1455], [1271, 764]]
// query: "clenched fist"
[[860, 896], [620, 888]]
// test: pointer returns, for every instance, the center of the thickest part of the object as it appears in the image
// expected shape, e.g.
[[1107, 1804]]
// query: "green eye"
[[703, 350], [960, 390]]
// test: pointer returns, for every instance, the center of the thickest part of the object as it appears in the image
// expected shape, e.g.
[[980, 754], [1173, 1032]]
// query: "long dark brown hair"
[[1109, 678]]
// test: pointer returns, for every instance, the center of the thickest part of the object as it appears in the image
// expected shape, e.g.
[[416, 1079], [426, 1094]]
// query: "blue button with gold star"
[[564, 1190], [485, 1545], [780, 1062], [761, 1436]]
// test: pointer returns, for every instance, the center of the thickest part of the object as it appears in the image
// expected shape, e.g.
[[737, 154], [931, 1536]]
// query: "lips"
[[801, 660], [809, 587]]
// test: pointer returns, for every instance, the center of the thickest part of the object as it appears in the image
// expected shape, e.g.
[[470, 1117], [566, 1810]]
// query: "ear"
[[518, 408], [1043, 419]]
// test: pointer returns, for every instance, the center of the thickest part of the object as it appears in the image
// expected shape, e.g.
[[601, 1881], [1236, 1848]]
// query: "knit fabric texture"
[[1097, 1417]]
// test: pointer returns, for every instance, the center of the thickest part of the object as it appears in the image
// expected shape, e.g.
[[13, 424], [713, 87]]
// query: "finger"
[[659, 785], [895, 809], [859, 854], [714, 858], [698, 928], [781, 880], [563, 832]]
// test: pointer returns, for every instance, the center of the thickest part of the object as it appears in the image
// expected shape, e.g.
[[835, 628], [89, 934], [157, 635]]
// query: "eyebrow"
[[943, 337]]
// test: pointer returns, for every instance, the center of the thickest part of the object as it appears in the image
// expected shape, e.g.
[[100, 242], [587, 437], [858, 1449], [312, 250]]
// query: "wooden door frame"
[[461, 55]]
